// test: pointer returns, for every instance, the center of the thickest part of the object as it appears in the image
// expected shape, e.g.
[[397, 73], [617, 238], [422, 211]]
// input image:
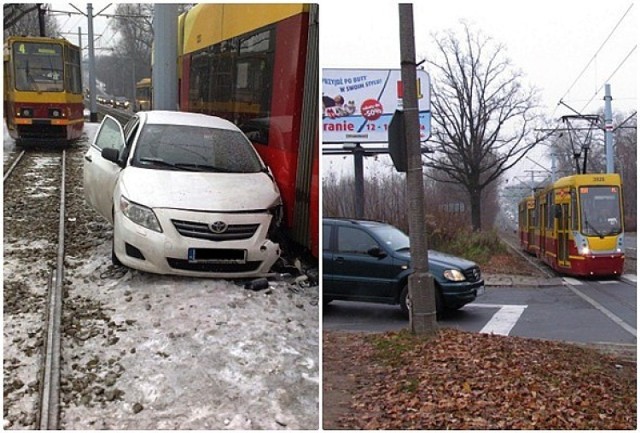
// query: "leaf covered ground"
[[461, 380]]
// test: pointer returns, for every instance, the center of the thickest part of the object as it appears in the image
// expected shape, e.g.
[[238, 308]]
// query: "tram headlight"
[[585, 250], [140, 215]]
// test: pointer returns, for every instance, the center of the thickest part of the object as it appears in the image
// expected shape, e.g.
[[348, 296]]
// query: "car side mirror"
[[377, 252], [111, 154]]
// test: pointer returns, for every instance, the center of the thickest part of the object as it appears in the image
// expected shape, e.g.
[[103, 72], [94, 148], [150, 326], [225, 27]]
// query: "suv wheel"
[[405, 301]]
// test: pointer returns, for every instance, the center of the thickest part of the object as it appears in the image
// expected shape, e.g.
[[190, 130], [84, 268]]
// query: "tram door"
[[563, 235], [530, 228]]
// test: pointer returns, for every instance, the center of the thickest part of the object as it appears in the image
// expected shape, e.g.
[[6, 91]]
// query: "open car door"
[[100, 175]]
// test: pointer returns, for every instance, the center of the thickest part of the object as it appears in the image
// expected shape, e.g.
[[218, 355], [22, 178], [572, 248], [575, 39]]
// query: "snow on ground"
[[144, 351]]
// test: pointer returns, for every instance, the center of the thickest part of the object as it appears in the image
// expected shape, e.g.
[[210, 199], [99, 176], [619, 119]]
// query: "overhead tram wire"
[[594, 57], [611, 76]]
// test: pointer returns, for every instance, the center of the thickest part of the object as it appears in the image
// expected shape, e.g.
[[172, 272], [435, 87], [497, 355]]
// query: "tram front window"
[[601, 214], [38, 67]]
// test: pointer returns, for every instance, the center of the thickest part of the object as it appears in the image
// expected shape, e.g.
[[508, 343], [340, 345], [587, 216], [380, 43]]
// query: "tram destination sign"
[[358, 104]]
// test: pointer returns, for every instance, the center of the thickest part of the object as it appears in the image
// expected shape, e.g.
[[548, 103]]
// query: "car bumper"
[[169, 252], [455, 295]]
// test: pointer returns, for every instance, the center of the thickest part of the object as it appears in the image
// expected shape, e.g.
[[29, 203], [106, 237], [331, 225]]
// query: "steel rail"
[[13, 165], [49, 415]]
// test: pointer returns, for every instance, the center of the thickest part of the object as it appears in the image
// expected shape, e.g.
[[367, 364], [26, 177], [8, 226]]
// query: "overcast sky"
[[551, 41]]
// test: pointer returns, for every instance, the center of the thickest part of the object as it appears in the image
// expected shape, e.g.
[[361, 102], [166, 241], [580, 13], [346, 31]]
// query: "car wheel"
[[405, 301], [114, 259]]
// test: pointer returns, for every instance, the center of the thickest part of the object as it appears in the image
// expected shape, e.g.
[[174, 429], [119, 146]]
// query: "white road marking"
[[630, 277], [572, 281], [608, 282], [503, 320], [617, 320]]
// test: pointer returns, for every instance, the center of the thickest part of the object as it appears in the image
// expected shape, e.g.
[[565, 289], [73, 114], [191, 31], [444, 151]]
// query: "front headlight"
[[454, 275], [139, 214]]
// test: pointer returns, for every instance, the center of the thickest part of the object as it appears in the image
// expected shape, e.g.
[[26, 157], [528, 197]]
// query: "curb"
[[520, 281]]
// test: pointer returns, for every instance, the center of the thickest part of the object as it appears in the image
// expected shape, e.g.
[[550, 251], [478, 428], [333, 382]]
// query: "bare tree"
[[484, 118], [22, 19], [626, 149]]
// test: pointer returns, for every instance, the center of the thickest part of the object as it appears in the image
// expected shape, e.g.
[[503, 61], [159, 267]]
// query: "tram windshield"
[[38, 67], [601, 214]]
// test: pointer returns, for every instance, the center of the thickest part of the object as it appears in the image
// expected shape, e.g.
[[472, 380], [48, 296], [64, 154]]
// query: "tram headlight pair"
[[25, 112]]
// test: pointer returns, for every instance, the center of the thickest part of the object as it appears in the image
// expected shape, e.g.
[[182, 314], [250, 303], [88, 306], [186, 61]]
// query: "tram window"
[[574, 210], [550, 206], [601, 210], [72, 76], [233, 79], [38, 66]]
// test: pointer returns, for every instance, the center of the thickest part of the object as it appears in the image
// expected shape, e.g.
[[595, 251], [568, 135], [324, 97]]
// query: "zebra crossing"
[[630, 278]]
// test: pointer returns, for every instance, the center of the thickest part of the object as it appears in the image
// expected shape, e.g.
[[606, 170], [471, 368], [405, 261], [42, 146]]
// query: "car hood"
[[443, 260], [198, 190]]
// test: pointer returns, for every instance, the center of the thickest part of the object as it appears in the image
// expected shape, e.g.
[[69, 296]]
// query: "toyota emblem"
[[218, 227]]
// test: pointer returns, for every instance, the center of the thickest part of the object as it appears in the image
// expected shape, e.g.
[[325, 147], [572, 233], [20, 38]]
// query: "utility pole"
[[165, 52], [41, 12], [608, 128], [358, 157], [422, 308], [93, 108]]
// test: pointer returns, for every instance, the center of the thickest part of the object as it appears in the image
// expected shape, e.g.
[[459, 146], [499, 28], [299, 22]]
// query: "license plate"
[[480, 291], [216, 256]]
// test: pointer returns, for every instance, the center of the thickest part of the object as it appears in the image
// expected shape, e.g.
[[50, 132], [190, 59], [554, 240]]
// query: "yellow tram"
[[43, 98], [575, 225]]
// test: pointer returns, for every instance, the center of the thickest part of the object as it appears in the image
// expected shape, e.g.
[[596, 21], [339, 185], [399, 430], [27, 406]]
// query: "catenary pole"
[[165, 52], [422, 311], [608, 128], [93, 116]]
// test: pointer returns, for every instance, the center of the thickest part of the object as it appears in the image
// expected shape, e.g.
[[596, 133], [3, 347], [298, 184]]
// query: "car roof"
[[186, 119], [347, 221]]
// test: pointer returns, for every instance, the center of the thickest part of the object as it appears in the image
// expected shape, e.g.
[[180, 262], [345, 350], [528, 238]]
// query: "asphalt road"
[[584, 311]]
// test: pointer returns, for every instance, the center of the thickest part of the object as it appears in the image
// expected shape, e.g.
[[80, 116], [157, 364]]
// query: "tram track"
[[33, 183], [13, 165]]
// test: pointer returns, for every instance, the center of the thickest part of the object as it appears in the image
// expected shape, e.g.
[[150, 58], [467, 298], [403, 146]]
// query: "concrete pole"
[[93, 116], [422, 311], [358, 156], [608, 128], [165, 57]]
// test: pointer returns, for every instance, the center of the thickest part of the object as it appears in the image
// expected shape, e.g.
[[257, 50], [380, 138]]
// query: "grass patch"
[[475, 246]]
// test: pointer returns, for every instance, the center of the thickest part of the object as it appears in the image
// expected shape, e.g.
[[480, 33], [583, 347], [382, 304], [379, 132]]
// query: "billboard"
[[358, 104]]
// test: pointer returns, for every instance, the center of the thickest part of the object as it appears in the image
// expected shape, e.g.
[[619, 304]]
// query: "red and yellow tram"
[[257, 66], [575, 225], [43, 97]]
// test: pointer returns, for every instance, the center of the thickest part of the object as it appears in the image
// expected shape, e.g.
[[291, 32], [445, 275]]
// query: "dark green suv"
[[369, 261]]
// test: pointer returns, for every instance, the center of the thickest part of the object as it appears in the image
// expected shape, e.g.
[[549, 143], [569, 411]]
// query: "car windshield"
[[391, 236], [180, 147]]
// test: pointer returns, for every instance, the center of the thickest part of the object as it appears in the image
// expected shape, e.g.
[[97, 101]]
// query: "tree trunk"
[[475, 198]]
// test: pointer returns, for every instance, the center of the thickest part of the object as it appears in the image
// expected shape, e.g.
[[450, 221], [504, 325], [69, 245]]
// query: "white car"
[[187, 194]]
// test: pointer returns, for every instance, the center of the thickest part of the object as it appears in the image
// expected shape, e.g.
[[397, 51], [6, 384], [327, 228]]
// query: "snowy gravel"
[[143, 351]]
